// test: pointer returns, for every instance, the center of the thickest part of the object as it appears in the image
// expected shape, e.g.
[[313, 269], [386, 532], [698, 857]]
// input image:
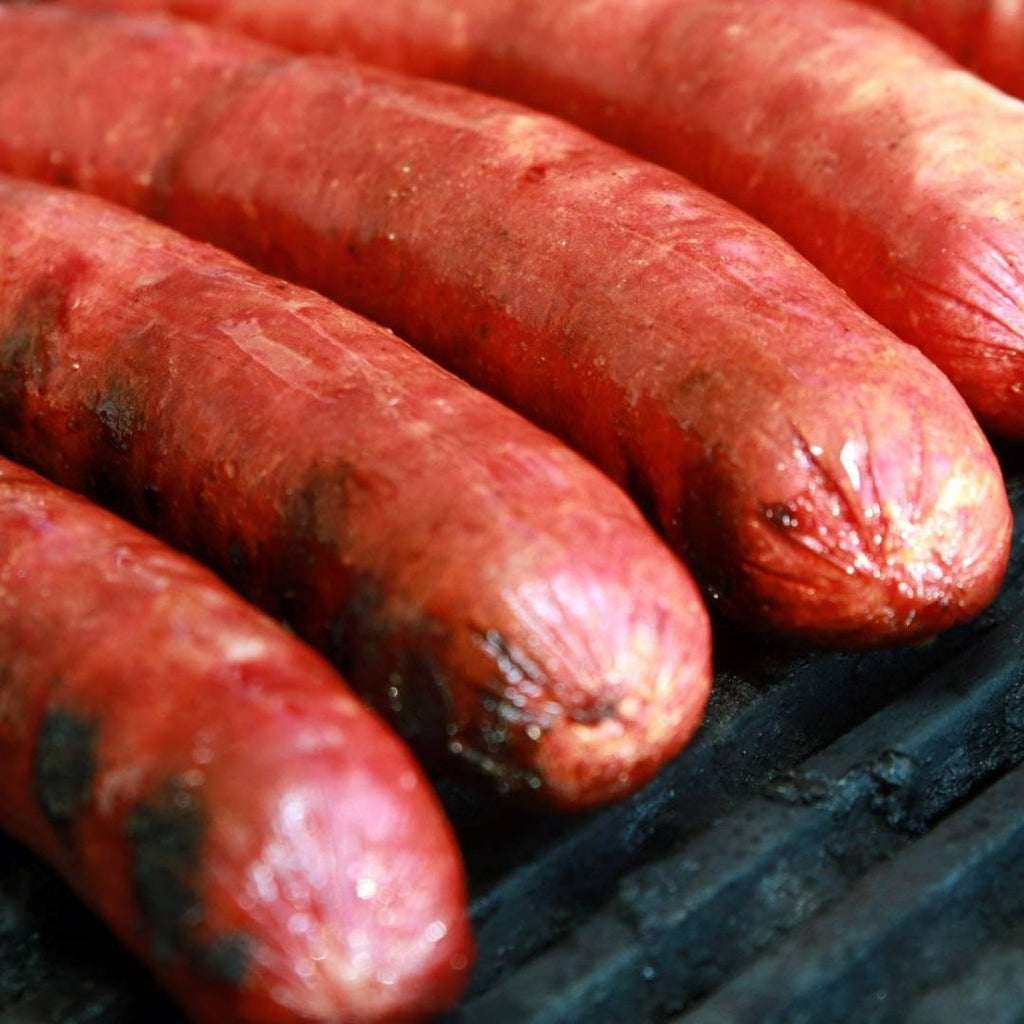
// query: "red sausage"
[[210, 786], [899, 175], [824, 479], [986, 35], [475, 580]]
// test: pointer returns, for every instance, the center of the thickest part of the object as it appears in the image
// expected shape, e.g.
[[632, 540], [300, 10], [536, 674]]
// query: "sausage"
[[210, 786], [896, 173], [822, 478], [986, 35], [475, 580]]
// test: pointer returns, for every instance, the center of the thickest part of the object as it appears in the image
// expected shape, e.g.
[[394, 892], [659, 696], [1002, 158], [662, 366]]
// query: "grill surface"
[[843, 842]]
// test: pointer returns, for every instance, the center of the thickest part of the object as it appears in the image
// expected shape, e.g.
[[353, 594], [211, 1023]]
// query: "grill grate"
[[844, 841]]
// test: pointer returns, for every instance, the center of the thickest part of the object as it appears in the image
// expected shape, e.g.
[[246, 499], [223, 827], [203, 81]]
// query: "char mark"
[[65, 765], [166, 837], [119, 415]]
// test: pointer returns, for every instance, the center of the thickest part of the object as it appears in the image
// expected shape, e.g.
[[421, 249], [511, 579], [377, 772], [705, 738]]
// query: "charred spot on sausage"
[[361, 627], [315, 514], [165, 835], [119, 416], [369, 643], [65, 765], [25, 358], [18, 354], [226, 958]]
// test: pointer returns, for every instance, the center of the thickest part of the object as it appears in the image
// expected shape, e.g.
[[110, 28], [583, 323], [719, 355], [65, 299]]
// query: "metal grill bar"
[[900, 929], [989, 990], [700, 913]]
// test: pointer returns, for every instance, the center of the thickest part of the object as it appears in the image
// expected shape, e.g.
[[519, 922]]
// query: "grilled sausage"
[[823, 478], [210, 786], [896, 173], [476, 580]]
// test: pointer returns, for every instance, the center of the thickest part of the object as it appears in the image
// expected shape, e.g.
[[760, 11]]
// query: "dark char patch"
[[65, 765], [117, 412], [310, 530], [226, 958], [166, 836], [17, 354], [314, 517], [26, 339], [394, 665]]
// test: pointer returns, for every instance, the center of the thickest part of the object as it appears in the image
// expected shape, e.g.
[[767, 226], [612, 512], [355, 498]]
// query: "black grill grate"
[[844, 842]]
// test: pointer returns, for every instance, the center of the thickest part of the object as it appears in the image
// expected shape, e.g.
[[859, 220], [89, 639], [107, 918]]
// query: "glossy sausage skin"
[[823, 478], [210, 786], [476, 580], [986, 35], [895, 172]]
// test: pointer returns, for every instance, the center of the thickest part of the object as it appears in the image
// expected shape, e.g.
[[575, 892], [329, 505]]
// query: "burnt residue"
[[885, 786], [390, 649], [314, 517], [23, 365], [894, 776], [226, 958], [65, 765], [309, 537], [395, 663], [26, 358], [801, 787], [118, 413], [166, 835], [360, 635], [16, 355]]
